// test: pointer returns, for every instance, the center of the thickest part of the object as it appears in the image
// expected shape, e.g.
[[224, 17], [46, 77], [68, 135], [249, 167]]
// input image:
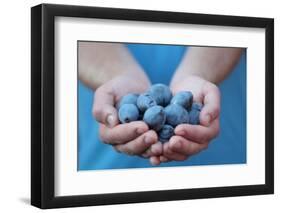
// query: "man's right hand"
[[132, 138]]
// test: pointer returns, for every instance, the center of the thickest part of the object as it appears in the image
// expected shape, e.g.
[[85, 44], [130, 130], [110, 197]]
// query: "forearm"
[[212, 64], [101, 62]]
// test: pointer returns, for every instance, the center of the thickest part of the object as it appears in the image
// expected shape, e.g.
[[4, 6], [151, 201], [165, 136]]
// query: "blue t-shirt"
[[160, 62]]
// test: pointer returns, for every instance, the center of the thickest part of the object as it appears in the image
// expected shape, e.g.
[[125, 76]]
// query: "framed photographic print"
[[139, 106]]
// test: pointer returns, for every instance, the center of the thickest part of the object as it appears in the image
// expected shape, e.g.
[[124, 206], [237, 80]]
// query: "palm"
[[191, 139], [131, 138], [195, 85]]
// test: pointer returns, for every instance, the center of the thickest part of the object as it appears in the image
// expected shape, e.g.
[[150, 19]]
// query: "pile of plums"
[[159, 109]]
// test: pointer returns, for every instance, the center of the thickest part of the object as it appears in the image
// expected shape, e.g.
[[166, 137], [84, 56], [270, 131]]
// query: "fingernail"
[[110, 120], [177, 145], [141, 130], [208, 120], [180, 132], [163, 159], [145, 155], [154, 162]]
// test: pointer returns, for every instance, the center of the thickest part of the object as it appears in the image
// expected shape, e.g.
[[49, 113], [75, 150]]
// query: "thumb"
[[211, 108], [103, 107]]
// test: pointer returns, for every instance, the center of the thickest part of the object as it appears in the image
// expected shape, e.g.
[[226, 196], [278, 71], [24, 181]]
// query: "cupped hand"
[[132, 138], [191, 139]]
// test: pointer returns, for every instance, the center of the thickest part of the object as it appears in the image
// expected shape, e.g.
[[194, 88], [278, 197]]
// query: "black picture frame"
[[43, 105]]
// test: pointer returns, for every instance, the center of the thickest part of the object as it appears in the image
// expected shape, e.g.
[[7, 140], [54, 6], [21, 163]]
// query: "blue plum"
[[161, 94], [183, 98], [197, 106], [176, 114], [128, 113], [166, 133], [159, 109], [155, 117], [145, 101], [194, 116], [130, 98]]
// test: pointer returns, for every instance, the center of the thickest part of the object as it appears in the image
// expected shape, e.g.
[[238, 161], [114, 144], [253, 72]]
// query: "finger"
[[156, 151], [157, 148], [198, 133], [164, 159], [211, 109], [123, 132], [103, 107], [147, 153], [154, 161], [183, 146], [138, 145], [171, 155]]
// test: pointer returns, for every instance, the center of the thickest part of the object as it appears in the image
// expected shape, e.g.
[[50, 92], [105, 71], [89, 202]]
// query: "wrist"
[[180, 78], [139, 76], [94, 79]]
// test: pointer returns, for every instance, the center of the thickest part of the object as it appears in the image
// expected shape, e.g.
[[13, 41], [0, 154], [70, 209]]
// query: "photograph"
[[140, 106], [132, 106], [157, 105]]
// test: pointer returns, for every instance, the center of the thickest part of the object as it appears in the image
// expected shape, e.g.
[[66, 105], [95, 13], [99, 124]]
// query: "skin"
[[191, 139], [102, 62], [106, 68], [111, 71], [200, 71]]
